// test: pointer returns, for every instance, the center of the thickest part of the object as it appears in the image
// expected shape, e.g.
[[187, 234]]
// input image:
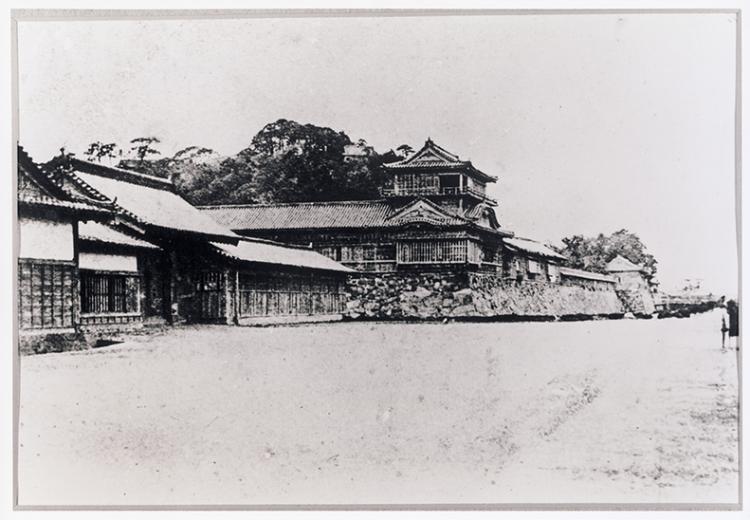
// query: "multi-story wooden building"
[[434, 213]]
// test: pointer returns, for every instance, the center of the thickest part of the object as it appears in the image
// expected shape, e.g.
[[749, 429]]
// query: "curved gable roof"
[[424, 210], [433, 156]]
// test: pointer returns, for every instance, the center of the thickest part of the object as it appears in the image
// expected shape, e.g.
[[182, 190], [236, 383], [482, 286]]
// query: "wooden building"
[[48, 254], [113, 277], [528, 260], [205, 272], [434, 214], [594, 281], [102, 247]]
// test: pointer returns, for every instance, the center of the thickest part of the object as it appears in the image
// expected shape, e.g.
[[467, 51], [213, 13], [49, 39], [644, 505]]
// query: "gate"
[[210, 289]]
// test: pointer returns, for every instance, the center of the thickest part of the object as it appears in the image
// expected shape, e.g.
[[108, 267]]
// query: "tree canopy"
[[285, 161], [292, 162], [594, 253]]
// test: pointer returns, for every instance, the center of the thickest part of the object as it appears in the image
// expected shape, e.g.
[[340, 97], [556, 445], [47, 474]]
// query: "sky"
[[592, 123]]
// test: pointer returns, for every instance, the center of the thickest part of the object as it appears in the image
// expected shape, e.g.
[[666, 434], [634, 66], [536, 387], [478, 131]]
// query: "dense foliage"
[[593, 253], [285, 162]]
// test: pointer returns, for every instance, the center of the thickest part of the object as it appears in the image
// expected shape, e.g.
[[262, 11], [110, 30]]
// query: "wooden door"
[[210, 289]]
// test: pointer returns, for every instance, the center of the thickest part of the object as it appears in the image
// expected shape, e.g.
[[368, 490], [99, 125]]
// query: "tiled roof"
[[100, 233], [267, 252], [150, 200], [434, 156], [588, 275], [530, 246], [301, 215], [478, 212], [62, 204], [363, 214], [38, 187], [620, 264], [39, 176]]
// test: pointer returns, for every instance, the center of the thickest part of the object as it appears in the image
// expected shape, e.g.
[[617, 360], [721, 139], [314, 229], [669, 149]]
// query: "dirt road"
[[600, 411]]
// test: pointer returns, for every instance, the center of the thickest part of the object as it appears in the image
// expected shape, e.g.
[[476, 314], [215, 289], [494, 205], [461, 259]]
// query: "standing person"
[[733, 311], [724, 330]]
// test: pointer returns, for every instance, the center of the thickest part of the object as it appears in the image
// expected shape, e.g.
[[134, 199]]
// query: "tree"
[[285, 162], [98, 151], [228, 182], [142, 147], [405, 150], [595, 253], [192, 153], [293, 162]]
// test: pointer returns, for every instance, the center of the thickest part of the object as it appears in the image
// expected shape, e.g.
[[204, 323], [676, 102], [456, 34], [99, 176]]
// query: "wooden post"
[[236, 296], [173, 305], [76, 281]]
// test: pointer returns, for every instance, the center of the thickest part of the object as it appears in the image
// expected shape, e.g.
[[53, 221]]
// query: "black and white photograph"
[[376, 259]]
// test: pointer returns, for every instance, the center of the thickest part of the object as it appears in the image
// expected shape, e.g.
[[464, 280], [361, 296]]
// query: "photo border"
[[57, 15]]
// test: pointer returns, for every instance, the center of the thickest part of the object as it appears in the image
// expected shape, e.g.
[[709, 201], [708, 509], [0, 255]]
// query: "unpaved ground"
[[603, 411]]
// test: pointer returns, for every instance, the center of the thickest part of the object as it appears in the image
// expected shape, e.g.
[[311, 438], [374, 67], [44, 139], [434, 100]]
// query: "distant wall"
[[637, 300], [501, 297], [440, 295]]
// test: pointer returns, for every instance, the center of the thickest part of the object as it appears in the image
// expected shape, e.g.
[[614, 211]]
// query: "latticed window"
[[332, 252], [109, 293], [433, 251], [366, 252], [417, 183]]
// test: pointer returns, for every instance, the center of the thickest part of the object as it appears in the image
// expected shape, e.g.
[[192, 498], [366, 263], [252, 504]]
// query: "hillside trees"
[[285, 161], [593, 253]]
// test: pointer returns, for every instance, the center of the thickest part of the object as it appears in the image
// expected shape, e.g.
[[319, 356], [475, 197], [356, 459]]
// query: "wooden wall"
[[290, 294], [47, 294]]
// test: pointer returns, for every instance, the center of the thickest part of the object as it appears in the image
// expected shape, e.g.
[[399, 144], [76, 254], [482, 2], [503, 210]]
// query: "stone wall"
[[43, 343], [465, 295], [493, 297], [639, 301]]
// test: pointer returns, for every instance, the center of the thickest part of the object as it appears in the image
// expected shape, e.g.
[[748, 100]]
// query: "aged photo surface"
[[425, 259]]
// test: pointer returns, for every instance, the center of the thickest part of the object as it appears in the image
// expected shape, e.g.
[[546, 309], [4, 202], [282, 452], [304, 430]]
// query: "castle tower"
[[440, 176]]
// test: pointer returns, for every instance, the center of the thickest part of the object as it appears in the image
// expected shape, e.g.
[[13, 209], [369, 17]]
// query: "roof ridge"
[[441, 152], [123, 172], [446, 152], [274, 204], [39, 175], [275, 243]]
